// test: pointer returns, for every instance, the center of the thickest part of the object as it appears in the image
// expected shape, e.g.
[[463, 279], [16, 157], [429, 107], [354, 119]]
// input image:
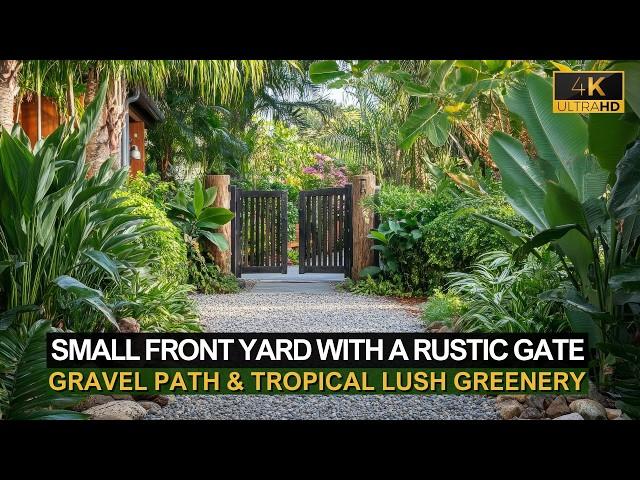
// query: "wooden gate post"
[[362, 221], [223, 199]]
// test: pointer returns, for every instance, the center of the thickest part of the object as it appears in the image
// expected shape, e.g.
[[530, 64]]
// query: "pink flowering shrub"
[[324, 173]]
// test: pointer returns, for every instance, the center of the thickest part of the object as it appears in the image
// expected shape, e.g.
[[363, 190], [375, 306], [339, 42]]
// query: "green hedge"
[[451, 237], [167, 244]]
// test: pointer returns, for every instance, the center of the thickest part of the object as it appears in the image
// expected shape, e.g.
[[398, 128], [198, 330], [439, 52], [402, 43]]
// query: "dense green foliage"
[[500, 295], [423, 236], [165, 245], [443, 308], [587, 207]]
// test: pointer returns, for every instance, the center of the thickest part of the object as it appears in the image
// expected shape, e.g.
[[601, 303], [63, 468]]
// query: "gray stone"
[[613, 413], [570, 416], [536, 401], [531, 413], [91, 401], [128, 325], [123, 410], [519, 398], [558, 407], [163, 400], [509, 409], [589, 409], [149, 406], [122, 397]]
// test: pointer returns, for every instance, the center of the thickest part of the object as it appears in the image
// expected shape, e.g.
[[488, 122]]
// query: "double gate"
[[260, 238]]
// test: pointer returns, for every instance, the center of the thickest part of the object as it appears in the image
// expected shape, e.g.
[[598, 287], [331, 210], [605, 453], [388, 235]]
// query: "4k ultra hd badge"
[[588, 92]]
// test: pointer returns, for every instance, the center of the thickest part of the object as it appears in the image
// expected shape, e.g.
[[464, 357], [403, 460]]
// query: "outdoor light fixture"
[[134, 153], [363, 185]]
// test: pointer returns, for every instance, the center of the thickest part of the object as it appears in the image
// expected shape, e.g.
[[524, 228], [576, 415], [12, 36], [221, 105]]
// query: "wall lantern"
[[134, 153], [363, 185]]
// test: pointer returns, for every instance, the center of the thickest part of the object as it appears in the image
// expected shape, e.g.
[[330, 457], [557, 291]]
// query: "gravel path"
[[328, 311]]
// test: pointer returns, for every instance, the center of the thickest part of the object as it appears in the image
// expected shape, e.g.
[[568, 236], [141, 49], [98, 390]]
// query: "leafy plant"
[[165, 245], [206, 277], [24, 377], [151, 186], [444, 308], [502, 296], [55, 222], [586, 205], [435, 234], [197, 218], [159, 305], [294, 256]]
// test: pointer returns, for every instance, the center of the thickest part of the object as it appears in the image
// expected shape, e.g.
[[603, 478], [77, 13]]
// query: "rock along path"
[[309, 307]]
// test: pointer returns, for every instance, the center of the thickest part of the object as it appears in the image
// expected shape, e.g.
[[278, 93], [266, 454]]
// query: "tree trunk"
[[9, 89], [105, 141], [163, 163]]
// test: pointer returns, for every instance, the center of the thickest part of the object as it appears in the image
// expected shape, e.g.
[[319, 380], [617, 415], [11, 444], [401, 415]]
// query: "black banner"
[[317, 350]]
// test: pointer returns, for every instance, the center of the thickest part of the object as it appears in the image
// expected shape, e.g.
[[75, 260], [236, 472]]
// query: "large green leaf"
[[103, 261], [217, 239], [625, 194], [562, 208], [559, 139], [542, 238], [198, 197], [631, 83], [437, 130], [325, 71], [609, 135], [416, 124], [217, 215], [87, 295], [210, 195], [24, 377], [16, 162], [522, 179], [512, 234]]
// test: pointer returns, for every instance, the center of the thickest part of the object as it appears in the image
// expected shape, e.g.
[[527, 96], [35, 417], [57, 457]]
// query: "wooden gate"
[[325, 230], [259, 231]]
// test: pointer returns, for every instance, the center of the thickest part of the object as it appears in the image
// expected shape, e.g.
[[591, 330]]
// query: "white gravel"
[[326, 311]]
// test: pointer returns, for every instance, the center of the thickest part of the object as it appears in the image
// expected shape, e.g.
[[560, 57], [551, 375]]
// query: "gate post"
[[362, 222], [223, 199]]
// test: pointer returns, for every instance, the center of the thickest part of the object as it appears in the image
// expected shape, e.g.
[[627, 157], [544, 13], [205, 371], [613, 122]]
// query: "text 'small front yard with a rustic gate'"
[[441, 196]]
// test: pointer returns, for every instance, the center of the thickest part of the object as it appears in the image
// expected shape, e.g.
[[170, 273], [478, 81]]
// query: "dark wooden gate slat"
[[335, 231], [283, 231], [302, 219], [321, 232]]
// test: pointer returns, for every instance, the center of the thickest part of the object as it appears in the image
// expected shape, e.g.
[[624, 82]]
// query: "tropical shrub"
[[60, 229], [151, 186], [500, 295], [63, 240], [206, 276], [443, 307], [325, 172], [197, 219], [24, 377], [158, 305], [165, 244], [436, 234], [582, 195]]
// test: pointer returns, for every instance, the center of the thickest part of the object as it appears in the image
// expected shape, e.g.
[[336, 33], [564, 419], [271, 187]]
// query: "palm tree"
[[194, 133], [9, 88], [225, 80], [285, 95]]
